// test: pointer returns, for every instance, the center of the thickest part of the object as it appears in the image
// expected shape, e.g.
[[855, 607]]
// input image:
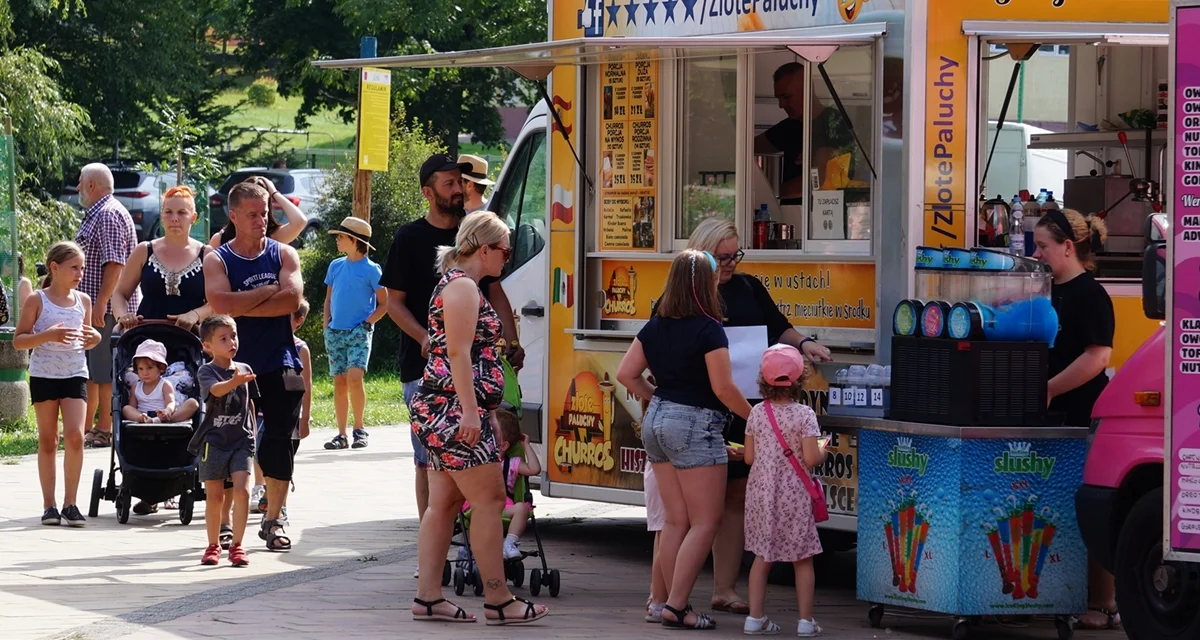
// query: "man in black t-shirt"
[[829, 132], [410, 277]]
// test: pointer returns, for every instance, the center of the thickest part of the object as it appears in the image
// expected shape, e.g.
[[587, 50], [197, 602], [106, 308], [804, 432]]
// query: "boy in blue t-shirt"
[[354, 302]]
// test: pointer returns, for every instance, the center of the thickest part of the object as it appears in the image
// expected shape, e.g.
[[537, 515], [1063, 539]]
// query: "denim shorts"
[[420, 455], [686, 436], [348, 348]]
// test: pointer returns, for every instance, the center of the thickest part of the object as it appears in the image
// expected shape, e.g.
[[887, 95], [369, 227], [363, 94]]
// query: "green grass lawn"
[[385, 406]]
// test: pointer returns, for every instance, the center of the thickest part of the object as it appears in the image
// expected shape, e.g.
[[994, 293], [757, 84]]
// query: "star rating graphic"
[[669, 5], [689, 6], [631, 13], [614, 10], [650, 5]]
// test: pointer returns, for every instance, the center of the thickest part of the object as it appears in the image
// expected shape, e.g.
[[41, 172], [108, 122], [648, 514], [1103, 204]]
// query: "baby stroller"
[[153, 459], [463, 570]]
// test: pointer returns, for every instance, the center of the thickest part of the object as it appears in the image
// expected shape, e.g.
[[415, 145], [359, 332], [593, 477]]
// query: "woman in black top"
[[745, 302], [1067, 242]]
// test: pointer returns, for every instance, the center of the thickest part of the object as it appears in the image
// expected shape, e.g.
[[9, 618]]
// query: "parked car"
[[304, 187], [140, 192]]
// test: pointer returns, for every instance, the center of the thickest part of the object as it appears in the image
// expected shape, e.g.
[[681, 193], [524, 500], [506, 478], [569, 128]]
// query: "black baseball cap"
[[439, 162]]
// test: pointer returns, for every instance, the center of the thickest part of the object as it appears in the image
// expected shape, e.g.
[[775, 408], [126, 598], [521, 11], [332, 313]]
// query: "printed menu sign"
[[1184, 299], [628, 148]]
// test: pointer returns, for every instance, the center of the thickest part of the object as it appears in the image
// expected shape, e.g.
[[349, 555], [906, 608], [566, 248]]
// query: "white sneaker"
[[512, 550], [256, 494], [760, 627], [417, 572], [808, 628]]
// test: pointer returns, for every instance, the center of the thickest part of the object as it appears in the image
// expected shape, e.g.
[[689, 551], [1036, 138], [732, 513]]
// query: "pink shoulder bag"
[[815, 490]]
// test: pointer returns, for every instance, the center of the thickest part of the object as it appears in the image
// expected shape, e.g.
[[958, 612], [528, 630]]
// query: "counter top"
[[851, 424]]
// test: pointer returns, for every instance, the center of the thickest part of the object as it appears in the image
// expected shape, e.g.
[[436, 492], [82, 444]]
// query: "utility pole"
[[361, 207]]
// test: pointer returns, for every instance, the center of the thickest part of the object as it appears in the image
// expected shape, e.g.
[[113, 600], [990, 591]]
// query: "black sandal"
[[459, 614], [1110, 624], [703, 622], [226, 537], [275, 541], [531, 613]]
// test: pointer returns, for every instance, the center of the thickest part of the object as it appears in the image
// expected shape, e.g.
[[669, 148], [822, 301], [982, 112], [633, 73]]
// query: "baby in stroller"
[[152, 396]]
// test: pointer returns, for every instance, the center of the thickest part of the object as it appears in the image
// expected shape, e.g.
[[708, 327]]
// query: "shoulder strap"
[[787, 451]]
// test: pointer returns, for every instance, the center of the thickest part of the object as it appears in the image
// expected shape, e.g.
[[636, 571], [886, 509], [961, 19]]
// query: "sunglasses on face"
[[504, 251], [726, 259]]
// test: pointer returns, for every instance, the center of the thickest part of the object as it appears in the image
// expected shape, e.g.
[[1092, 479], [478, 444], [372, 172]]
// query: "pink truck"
[[1120, 505]]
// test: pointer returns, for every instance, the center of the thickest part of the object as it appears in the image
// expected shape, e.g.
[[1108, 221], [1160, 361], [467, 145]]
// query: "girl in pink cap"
[[779, 512]]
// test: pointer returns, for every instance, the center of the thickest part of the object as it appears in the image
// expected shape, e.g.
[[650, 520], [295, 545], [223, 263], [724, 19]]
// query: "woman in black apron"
[[1068, 242]]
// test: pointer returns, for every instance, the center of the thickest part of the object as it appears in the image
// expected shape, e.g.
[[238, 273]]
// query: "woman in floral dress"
[[452, 416]]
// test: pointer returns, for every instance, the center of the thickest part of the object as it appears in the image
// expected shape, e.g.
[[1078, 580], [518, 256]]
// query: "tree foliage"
[[47, 128], [395, 200], [291, 34]]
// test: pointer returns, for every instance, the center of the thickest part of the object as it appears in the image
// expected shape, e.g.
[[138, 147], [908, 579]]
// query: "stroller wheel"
[[535, 582], [97, 493], [460, 581], [554, 584], [446, 574], [518, 574], [478, 580], [123, 506], [187, 504]]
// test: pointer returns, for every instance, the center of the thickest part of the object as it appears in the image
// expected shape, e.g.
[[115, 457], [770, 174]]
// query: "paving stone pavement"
[[350, 574]]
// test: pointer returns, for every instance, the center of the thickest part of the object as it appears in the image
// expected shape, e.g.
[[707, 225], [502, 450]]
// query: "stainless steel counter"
[[851, 425]]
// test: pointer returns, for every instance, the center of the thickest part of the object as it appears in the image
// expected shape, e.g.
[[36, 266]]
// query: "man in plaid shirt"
[[107, 237]]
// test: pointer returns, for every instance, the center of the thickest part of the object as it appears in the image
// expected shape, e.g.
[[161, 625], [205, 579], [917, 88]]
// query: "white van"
[[1015, 166]]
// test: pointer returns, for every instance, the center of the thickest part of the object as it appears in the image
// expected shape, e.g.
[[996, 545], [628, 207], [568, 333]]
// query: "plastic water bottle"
[[762, 214], [1016, 235], [1042, 196], [1050, 204]]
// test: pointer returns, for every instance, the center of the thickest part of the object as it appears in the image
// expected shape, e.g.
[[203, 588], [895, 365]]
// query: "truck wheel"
[[1157, 600]]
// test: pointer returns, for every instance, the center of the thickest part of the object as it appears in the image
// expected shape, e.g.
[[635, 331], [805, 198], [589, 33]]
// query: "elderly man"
[[256, 280], [107, 237]]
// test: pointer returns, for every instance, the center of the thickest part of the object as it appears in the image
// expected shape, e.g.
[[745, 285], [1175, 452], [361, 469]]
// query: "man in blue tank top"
[[256, 280]]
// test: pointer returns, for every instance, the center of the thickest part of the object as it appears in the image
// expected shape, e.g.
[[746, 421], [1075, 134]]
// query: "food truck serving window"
[[708, 142]]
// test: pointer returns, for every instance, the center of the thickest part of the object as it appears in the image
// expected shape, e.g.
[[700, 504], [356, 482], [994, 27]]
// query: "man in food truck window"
[[1068, 242], [829, 132]]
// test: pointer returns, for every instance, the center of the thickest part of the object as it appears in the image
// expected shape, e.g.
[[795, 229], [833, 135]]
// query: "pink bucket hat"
[[152, 350], [782, 365]]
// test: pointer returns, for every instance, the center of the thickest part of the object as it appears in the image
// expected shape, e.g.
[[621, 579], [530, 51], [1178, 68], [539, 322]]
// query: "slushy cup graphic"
[[1021, 541], [906, 529]]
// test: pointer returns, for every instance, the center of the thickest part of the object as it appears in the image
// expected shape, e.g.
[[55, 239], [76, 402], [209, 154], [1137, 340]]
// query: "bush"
[[262, 93], [395, 200], [39, 225]]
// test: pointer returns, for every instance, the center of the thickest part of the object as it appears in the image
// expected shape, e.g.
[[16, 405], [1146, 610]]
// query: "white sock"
[[511, 539]]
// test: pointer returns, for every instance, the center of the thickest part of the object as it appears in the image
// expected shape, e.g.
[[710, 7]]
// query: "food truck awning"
[[534, 61], [1110, 33]]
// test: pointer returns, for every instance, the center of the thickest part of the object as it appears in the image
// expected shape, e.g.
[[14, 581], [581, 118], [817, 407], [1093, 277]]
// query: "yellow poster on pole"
[[374, 119]]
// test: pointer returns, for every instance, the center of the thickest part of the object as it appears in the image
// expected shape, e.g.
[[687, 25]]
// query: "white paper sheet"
[[746, 347]]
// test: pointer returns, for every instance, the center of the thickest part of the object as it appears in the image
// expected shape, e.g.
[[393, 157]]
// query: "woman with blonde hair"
[[685, 346], [453, 415], [745, 302], [1068, 242]]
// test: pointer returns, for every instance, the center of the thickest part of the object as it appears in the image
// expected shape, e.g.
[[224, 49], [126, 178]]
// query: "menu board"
[[628, 161], [1183, 301]]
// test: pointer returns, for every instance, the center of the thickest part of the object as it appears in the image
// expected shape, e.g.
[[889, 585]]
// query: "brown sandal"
[[97, 439]]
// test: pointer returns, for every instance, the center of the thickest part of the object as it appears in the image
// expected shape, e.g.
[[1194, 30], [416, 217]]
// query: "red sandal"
[[237, 555], [212, 555]]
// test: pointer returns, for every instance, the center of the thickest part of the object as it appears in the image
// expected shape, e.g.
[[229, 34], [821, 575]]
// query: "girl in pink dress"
[[779, 514]]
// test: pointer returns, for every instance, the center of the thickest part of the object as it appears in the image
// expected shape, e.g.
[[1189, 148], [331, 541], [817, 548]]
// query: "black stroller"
[[464, 572], [152, 459]]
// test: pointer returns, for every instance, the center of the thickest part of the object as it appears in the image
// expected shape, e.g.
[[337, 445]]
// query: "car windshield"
[[282, 181]]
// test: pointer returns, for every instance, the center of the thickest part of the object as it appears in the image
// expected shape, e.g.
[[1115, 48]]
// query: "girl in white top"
[[56, 324], [153, 396]]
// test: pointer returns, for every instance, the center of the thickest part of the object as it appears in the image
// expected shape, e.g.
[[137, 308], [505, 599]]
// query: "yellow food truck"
[[651, 122]]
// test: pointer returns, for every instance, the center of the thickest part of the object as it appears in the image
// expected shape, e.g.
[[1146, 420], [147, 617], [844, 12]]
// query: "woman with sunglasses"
[[1068, 242], [745, 302]]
